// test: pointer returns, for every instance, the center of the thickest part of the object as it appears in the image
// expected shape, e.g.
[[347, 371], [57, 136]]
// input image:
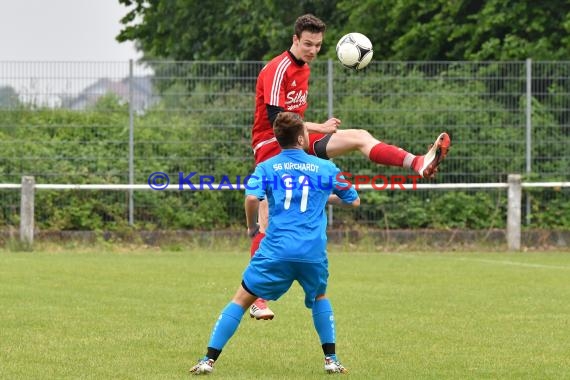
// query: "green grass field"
[[147, 315]]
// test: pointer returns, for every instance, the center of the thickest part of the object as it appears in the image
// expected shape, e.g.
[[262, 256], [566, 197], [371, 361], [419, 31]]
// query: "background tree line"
[[407, 30]]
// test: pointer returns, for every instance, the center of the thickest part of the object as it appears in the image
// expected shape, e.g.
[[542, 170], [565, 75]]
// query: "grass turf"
[[148, 315]]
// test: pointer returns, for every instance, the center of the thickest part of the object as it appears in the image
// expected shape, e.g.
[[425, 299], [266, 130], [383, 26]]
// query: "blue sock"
[[226, 325], [323, 318]]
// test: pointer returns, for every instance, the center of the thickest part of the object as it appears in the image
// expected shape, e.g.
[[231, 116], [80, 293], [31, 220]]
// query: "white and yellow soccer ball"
[[354, 50]]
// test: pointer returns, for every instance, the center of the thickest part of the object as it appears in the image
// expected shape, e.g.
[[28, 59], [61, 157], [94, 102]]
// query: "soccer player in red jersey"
[[283, 85]]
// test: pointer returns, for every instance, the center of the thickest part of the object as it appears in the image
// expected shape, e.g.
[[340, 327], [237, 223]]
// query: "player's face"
[[308, 46]]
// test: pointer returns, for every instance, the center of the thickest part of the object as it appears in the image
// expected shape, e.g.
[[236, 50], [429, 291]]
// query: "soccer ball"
[[354, 50]]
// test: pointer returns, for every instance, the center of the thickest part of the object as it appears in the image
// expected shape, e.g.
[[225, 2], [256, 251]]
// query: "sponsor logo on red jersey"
[[295, 99]]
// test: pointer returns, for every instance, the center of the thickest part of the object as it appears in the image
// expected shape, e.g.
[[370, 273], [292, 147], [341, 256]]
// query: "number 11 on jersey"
[[288, 180]]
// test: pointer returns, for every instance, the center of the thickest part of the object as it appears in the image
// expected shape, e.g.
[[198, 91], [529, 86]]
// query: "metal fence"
[[504, 117]]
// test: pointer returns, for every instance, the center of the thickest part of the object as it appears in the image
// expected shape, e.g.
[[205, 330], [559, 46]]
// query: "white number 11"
[[289, 192]]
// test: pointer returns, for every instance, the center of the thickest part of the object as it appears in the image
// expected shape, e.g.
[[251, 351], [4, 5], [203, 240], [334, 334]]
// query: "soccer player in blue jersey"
[[297, 187]]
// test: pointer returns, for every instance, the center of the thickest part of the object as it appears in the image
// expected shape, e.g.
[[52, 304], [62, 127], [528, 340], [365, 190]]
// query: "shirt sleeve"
[[342, 188], [272, 112], [256, 183]]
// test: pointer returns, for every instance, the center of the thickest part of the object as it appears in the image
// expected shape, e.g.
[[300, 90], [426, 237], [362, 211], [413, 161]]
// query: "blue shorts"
[[270, 278]]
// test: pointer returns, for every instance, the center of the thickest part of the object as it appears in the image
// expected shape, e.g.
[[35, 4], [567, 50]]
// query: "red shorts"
[[272, 148]]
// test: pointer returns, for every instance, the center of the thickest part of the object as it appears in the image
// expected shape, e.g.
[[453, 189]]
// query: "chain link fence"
[[118, 122]]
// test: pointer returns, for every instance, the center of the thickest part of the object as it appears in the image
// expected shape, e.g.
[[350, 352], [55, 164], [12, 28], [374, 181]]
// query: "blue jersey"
[[297, 187]]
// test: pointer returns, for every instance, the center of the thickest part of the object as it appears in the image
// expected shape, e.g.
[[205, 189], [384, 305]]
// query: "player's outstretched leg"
[[427, 165], [348, 140]]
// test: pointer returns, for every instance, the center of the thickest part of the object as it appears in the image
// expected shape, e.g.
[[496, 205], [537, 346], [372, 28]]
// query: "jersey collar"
[[299, 62], [293, 151]]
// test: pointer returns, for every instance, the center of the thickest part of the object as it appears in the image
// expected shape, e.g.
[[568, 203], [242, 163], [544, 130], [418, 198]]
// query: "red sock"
[[255, 243], [390, 155]]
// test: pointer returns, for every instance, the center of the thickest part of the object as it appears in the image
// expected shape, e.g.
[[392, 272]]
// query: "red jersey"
[[283, 82]]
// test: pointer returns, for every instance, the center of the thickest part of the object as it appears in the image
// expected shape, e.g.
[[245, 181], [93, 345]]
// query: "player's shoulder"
[[275, 61], [268, 163]]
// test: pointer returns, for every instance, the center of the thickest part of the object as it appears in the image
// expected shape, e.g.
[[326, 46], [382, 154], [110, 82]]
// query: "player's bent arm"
[[329, 126], [251, 205], [335, 200]]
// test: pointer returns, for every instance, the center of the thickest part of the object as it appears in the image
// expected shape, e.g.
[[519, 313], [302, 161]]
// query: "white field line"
[[489, 261]]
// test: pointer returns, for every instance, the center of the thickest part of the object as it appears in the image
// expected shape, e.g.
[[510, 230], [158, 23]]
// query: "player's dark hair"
[[309, 23], [287, 128]]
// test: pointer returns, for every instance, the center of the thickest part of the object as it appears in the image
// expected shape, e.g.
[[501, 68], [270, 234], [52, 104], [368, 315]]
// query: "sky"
[[63, 30]]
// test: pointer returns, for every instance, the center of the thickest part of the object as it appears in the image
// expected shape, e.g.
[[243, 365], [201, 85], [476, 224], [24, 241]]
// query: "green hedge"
[[210, 135]]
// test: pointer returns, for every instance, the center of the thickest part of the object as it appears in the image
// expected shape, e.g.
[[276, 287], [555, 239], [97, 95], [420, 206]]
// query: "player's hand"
[[331, 125], [252, 231]]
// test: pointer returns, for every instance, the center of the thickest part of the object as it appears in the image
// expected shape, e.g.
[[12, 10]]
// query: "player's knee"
[[363, 134], [359, 136]]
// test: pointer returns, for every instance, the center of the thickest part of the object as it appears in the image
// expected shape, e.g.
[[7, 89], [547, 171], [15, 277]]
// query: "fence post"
[[27, 212], [514, 212], [528, 117], [330, 100], [131, 145]]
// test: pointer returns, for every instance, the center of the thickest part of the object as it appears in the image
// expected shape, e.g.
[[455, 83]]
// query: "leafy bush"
[[208, 130]]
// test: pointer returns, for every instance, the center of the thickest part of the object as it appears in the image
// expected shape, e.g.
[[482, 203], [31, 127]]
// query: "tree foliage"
[[400, 29], [464, 30], [222, 30]]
